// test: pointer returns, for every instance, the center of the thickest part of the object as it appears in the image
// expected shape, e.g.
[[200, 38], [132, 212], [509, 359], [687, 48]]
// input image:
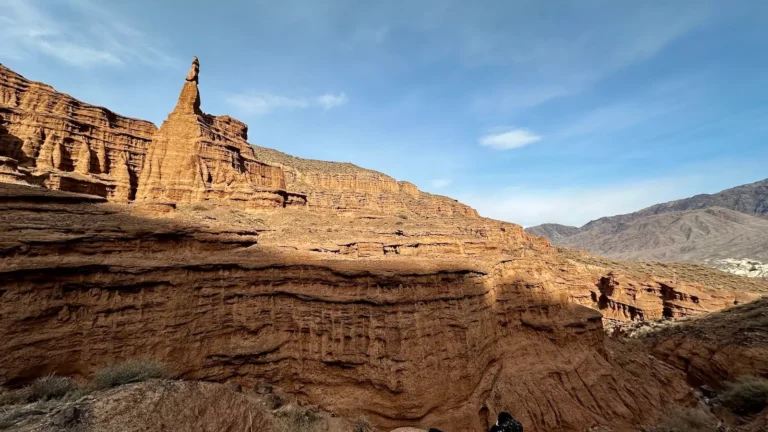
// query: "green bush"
[[127, 372], [50, 387], [747, 395]]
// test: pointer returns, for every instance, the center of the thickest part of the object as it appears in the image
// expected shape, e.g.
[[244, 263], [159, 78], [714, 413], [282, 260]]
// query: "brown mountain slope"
[[687, 236], [703, 228], [751, 199], [553, 231]]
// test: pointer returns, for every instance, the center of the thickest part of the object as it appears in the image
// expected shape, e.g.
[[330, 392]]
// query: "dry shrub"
[[50, 387], [201, 206], [127, 372], [273, 401], [745, 396], [296, 418], [11, 416], [362, 425], [13, 397], [678, 419]]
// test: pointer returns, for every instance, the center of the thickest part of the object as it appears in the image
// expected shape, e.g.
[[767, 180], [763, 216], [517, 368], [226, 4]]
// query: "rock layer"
[[62, 143], [53, 140], [723, 346], [346, 187], [198, 157], [248, 296]]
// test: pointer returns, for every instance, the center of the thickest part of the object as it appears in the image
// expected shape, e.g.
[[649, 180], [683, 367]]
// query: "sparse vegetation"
[[273, 401], [362, 425], [747, 395], [295, 418], [10, 416], [130, 371], [678, 419], [13, 397], [50, 387], [201, 206]]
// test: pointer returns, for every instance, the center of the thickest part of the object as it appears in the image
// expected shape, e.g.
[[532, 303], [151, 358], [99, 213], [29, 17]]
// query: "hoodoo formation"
[[339, 285]]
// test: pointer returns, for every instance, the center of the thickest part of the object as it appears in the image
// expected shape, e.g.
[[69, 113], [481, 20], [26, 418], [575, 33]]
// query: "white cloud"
[[328, 100], [512, 139], [440, 183], [266, 103], [660, 99], [78, 32]]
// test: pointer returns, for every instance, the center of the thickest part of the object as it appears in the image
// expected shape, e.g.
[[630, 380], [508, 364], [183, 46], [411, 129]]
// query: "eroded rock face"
[[637, 291], [346, 187], [623, 299], [62, 143], [722, 346], [197, 157], [467, 318]]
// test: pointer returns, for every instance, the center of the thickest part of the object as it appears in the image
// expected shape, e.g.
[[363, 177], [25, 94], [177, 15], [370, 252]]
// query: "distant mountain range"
[[705, 228]]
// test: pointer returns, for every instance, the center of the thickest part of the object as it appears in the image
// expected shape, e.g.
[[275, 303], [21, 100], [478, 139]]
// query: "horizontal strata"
[[441, 338], [50, 139]]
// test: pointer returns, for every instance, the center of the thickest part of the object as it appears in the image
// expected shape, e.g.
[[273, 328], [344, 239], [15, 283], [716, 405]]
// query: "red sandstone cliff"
[[340, 285], [57, 141], [197, 157], [50, 139]]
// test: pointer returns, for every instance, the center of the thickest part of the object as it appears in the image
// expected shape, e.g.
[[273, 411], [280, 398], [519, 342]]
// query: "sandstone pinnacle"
[[194, 70], [189, 99]]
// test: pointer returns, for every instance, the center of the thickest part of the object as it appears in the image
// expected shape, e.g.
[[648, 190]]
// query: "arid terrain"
[[340, 287], [708, 229]]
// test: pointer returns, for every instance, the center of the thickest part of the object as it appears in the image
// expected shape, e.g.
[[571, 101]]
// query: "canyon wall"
[[54, 140], [198, 157], [346, 187], [440, 338]]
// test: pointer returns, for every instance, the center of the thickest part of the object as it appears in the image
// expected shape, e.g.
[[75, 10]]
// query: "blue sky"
[[530, 111]]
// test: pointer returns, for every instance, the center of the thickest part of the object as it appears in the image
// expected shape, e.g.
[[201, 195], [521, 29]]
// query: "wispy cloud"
[[81, 33], [266, 103], [329, 100], [441, 183], [662, 98], [546, 64], [511, 139]]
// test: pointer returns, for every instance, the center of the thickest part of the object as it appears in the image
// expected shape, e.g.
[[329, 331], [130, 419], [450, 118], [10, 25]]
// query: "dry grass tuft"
[[746, 396], [295, 418], [127, 372], [678, 419], [362, 425], [50, 387]]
